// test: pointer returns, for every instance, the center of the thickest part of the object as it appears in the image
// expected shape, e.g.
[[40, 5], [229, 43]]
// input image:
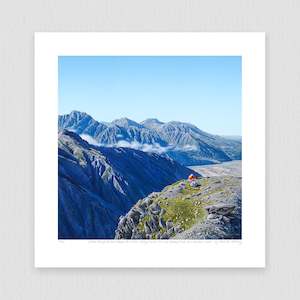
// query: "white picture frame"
[[51, 252]]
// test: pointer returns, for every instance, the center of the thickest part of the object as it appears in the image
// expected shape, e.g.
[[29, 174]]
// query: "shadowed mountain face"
[[181, 141], [96, 185]]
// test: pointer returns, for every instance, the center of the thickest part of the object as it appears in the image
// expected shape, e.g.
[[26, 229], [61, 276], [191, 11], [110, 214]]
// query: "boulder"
[[225, 219], [153, 195], [178, 229], [154, 208], [134, 215], [162, 212], [141, 210], [211, 216], [153, 224], [194, 183], [171, 231], [148, 201], [165, 236], [220, 209], [182, 185], [147, 228], [169, 224], [122, 221], [161, 223]]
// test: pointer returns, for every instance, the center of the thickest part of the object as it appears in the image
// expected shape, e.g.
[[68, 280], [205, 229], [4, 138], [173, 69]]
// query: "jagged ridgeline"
[[127, 180], [183, 142]]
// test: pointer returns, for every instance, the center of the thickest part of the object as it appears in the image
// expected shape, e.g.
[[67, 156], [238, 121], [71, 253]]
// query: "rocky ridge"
[[210, 210]]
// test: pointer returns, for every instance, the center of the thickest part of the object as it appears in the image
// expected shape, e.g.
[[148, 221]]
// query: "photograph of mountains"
[[149, 147]]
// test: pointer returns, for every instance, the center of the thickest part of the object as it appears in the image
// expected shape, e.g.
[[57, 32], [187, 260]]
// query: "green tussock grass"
[[183, 211], [188, 206], [142, 222]]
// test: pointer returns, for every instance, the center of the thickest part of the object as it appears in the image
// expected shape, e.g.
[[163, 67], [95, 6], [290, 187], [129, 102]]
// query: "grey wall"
[[280, 19]]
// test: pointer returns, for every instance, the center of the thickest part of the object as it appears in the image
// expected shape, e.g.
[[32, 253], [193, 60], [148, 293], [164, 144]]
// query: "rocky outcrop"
[[132, 225], [223, 222], [209, 210]]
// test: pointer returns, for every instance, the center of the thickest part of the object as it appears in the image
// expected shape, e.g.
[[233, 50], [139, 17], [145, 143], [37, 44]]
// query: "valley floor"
[[230, 168]]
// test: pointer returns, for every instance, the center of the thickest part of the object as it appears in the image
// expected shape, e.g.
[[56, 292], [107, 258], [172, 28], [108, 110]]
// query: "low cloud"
[[189, 148], [154, 148], [89, 139]]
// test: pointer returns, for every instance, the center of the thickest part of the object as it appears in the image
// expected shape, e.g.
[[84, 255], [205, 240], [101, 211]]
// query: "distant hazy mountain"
[[181, 141], [233, 137], [96, 185]]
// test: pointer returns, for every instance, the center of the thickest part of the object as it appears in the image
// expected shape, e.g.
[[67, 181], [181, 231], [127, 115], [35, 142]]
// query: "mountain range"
[[96, 185], [180, 141]]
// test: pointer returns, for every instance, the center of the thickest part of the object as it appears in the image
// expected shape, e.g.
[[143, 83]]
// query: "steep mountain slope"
[[128, 131], [181, 141], [98, 184], [195, 142], [209, 210]]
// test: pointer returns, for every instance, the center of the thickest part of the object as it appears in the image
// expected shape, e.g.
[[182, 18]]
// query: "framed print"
[[150, 150]]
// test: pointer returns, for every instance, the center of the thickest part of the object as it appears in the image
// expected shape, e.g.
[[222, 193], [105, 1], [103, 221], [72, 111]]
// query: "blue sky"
[[202, 90]]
